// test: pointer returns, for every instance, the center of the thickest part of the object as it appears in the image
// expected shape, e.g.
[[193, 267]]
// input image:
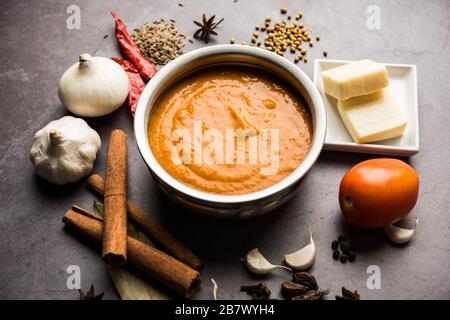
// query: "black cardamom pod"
[[305, 279], [291, 289]]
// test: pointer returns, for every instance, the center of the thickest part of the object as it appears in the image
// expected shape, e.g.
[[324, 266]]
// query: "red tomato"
[[378, 192]]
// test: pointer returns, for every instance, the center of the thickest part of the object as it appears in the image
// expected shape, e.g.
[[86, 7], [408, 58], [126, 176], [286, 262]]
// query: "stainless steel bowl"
[[244, 205]]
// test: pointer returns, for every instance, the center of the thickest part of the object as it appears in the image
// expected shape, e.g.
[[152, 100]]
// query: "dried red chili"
[[136, 83], [131, 52]]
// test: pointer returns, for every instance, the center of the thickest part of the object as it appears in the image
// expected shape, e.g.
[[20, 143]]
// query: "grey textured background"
[[35, 250]]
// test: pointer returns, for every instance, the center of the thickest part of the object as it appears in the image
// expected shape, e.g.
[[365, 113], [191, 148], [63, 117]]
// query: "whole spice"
[[258, 264], [343, 250], [348, 295], [115, 220], [351, 256], [336, 254], [93, 86], [309, 283], [136, 83], [334, 244], [131, 285], [90, 294], [151, 227], [305, 279], [64, 150], [131, 52], [258, 292], [159, 41], [154, 263], [207, 27], [291, 289], [312, 295], [286, 36]]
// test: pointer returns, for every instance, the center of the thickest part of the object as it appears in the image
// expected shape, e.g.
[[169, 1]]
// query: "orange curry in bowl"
[[230, 130]]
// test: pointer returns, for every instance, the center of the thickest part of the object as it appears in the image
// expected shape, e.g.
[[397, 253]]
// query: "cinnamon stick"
[[115, 220], [158, 265], [151, 228]]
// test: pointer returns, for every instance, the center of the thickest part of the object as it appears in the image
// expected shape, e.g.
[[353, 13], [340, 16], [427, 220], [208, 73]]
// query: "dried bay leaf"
[[129, 284]]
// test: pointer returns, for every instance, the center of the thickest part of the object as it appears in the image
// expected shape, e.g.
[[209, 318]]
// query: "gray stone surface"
[[36, 47]]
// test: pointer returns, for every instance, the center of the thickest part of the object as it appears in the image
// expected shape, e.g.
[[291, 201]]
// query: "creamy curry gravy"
[[247, 101]]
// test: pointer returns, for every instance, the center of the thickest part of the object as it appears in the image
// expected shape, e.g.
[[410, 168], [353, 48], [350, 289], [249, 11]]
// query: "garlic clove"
[[215, 287], [400, 235], [258, 264], [304, 258]]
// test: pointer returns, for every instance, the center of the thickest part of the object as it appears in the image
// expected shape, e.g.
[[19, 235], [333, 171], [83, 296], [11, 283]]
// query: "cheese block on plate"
[[355, 79], [372, 117]]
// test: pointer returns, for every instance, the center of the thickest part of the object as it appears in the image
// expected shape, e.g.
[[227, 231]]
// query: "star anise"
[[207, 27], [90, 295]]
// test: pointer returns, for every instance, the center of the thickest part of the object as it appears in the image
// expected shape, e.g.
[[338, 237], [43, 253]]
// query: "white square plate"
[[402, 85]]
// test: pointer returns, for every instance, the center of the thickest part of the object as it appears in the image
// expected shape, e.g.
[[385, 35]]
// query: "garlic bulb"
[[304, 258], [258, 264], [94, 86], [65, 150]]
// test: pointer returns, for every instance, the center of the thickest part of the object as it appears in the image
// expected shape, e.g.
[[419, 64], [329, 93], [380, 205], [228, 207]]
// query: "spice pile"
[[159, 41], [284, 36], [343, 250]]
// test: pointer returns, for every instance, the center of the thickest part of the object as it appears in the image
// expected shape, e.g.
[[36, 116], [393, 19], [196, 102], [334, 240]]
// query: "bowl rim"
[[319, 129]]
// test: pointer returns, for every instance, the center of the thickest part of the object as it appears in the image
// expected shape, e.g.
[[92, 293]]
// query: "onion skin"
[[378, 192]]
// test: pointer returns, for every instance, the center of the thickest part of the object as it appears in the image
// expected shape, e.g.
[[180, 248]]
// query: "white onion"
[[94, 86]]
